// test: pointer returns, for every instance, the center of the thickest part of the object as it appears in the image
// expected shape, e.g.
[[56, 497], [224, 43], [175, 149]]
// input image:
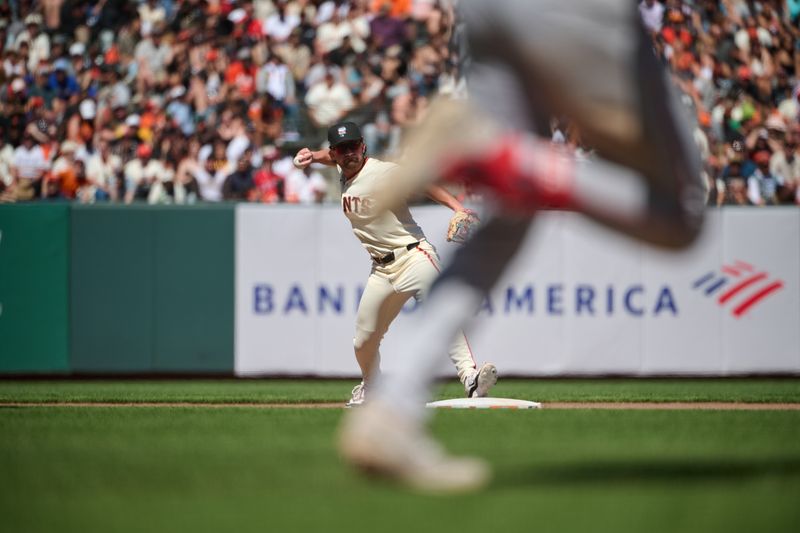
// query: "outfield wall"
[[273, 290], [579, 300], [111, 289], [151, 289]]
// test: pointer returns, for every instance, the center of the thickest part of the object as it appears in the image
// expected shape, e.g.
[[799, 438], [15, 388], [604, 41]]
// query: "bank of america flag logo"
[[738, 287]]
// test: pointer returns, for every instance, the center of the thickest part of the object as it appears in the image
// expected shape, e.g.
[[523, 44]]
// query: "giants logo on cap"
[[341, 131]]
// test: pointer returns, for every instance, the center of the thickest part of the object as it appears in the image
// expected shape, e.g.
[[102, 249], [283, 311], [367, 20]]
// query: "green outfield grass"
[[243, 469], [304, 391]]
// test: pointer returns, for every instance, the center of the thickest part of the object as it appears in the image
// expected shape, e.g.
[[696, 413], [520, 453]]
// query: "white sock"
[[448, 309]]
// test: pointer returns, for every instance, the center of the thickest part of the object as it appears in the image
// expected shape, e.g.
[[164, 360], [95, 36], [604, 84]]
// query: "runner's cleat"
[[378, 441]]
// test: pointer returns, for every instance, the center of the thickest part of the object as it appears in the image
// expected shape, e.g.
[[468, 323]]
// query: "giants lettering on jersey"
[[357, 205]]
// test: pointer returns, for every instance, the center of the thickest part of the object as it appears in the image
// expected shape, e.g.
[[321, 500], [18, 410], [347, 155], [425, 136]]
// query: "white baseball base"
[[483, 403]]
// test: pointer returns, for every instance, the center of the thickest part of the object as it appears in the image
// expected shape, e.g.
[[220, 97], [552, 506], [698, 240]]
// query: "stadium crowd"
[[178, 101]]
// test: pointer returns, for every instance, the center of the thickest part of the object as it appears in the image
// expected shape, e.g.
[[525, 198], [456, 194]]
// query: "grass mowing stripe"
[[617, 406], [304, 391], [196, 470]]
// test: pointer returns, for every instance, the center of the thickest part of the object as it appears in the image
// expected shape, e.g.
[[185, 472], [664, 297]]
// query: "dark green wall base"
[[34, 267], [152, 289], [116, 289]]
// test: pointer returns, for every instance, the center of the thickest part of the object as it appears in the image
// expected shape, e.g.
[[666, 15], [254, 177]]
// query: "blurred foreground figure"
[[592, 62]]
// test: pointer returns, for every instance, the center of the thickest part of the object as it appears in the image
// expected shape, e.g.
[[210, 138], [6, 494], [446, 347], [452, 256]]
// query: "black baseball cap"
[[343, 132]]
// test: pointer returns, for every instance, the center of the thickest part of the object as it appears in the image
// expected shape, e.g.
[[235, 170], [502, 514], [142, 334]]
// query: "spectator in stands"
[[409, 106], [141, 174], [152, 15], [232, 131], [329, 35], [387, 29], [38, 84], [280, 24], [61, 82], [65, 169], [736, 193], [6, 158], [187, 188], [652, 12], [269, 186], [52, 189], [275, 78], [38, 41], [240, 184], [28, 165], [208, 179], [240, 76], [296, 56], [306, 186], [179, 111], [763, 186], [5, 17], [152, 56], [328, 101], [103, 170], [785, 164]]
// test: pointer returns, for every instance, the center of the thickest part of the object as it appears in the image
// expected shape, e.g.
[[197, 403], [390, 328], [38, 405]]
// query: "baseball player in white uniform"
[[404, 263]]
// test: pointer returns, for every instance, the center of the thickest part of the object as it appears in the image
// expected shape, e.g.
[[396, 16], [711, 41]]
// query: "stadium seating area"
[[180, 101]]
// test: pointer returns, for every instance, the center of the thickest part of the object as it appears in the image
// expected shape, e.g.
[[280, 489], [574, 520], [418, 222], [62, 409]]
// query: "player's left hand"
[[462, 225]]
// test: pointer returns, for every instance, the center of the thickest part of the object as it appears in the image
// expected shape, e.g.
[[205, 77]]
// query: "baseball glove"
[[462, 225]]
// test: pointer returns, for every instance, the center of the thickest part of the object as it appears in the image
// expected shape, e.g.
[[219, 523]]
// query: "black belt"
[[388, 258]]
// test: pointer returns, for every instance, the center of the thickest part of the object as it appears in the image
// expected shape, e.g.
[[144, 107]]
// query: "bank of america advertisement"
[[578, 300]]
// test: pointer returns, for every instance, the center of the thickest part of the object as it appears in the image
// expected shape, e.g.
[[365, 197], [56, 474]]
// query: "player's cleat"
[[357, 396], [378, 441], [479, 383]]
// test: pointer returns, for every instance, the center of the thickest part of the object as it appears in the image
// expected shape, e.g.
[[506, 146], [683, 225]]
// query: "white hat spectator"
[[177, 92], [61, 64], [88, 109], [237, 15], [270, 152], [33, 19], [77, 49], [69, 147], [132, 120], [18, 85], [120, 95], [775, 122]]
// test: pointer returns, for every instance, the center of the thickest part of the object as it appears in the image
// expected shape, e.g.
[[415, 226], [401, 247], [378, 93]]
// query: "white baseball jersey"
[[379, 234]]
